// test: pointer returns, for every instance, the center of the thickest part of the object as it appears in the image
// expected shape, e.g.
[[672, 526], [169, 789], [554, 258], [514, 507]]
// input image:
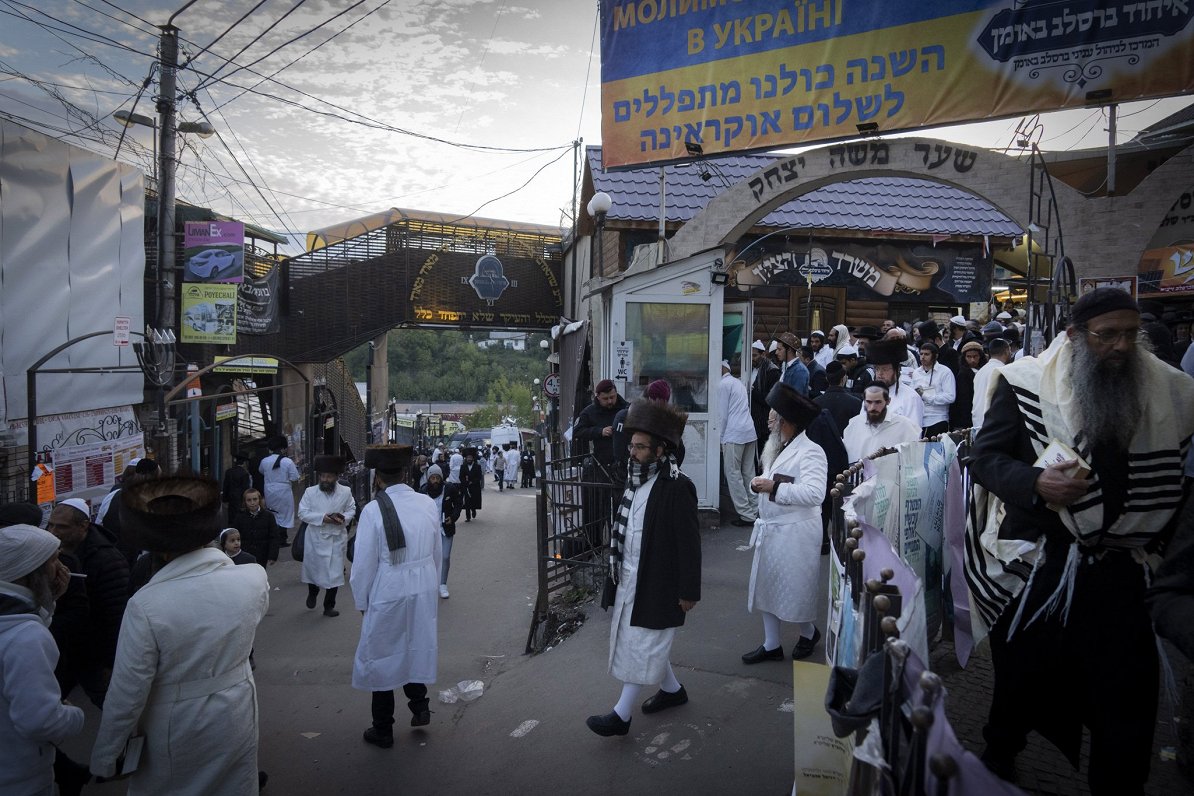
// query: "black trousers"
[[528, 478], [383, 705], [329, 597], [1099, 669]]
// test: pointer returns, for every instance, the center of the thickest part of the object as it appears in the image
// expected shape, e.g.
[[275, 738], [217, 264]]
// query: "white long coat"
[[787, 536], [400, 601], [279, 494], [182, 679], [324, 545]]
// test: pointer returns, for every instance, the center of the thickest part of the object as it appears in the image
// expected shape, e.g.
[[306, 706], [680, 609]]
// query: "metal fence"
[[575, 506]]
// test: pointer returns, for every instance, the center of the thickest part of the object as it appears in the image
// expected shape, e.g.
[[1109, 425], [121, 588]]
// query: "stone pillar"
[[380, 398]]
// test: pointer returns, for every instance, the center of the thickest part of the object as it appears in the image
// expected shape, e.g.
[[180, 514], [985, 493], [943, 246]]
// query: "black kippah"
[[1100, 301]]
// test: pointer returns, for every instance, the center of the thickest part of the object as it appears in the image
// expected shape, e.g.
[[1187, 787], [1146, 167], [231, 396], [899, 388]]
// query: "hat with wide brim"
[[928, 330], [656, 418], [790, 340], [388, 458], [469, 451], [867, 333], [175, 514], [886, 352], [791, 405], [327, 463]]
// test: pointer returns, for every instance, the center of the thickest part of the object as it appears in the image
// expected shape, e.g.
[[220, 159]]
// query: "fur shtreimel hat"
[[175, 514], [886, 352], [328, 464], [792, 406], [656, 418], [388, 458]]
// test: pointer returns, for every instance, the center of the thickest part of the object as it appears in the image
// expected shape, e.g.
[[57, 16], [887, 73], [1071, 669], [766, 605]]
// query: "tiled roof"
[[874, 204]]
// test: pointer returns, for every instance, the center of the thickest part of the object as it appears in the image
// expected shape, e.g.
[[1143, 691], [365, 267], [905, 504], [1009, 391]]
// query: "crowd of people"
[[106, 603], [1068, 555]]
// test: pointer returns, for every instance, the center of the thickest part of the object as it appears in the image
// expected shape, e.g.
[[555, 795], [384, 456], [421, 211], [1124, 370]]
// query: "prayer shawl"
[[639, 474], [997, 570]]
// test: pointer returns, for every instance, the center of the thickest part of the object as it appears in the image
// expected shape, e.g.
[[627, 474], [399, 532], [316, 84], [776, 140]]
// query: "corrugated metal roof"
[[875, 204]]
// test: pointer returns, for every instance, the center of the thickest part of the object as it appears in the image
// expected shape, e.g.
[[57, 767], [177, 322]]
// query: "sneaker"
[[443, 592], [385, 741]]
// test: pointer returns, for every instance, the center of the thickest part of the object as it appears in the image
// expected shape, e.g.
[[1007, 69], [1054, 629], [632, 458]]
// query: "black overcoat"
[[669, 567]]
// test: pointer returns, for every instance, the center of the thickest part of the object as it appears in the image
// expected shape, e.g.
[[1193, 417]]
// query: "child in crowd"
[[259, 532], [230, 545]]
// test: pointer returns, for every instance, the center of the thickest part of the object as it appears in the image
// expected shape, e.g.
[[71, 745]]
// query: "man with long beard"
[[327, 508], [1061, 580], [787, 536]]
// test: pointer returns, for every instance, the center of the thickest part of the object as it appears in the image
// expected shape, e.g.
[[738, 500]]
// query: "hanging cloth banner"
[[257, 308]]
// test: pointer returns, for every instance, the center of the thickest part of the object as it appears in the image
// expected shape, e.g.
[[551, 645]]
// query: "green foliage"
[[446, 365]]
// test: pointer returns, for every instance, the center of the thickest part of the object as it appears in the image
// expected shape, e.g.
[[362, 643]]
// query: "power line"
[[510, 193], [588, 71], [126, 23], [256, 39], [488, 43], [308, 52], [222, 35]]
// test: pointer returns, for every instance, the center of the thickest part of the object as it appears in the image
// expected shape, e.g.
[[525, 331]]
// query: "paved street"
[[526, 733]]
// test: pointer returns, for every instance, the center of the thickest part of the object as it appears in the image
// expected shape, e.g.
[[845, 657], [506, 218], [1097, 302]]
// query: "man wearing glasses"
[[1083, 448]]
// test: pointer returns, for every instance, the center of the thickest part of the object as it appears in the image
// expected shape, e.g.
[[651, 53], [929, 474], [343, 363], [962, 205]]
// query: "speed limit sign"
[[551, 385]]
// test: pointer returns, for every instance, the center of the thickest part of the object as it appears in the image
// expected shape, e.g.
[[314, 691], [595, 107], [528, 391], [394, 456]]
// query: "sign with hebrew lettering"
[[1167, 265], [520, 287], [761, 74], [945, 273]]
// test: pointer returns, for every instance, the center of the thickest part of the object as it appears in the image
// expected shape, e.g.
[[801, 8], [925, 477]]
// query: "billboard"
[[1167, 265], [950, 274], [512, 290], [208, 314], [214, 251], [763, 74]]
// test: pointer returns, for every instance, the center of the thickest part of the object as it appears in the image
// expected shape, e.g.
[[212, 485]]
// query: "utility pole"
[[167, 142]]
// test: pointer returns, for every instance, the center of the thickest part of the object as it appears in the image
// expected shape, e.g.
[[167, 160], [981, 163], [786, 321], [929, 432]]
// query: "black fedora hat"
[[792, 406], [328, 463], [886, 352], [656, 418], [388, 458], [867, 333], [175, 514]]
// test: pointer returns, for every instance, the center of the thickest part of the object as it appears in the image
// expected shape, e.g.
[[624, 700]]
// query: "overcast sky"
[[481, 73]]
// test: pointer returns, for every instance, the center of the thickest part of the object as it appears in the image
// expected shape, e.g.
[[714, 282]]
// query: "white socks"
[[807, 629], [771, 638], [670, 684], [625, 706]]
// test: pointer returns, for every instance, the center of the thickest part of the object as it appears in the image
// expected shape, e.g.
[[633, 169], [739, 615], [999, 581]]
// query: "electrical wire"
[[588, 71], [488, 43], [304, 55], [509, 193], [258, 38], [130, 13], [124, 127], [126, 23], [55, 31], [227, 30]]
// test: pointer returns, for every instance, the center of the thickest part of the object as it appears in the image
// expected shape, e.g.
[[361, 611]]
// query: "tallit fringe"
[[1037, 561], [1064, 590]]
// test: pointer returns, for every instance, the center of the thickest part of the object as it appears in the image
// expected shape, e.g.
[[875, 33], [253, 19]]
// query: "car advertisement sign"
[[214, 251]]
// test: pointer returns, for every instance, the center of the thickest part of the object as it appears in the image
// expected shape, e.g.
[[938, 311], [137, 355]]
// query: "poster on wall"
[[730, 77], [1167, 265], [1124, 283], [910, 272], [214, 251], [208, 314], [89, 470]]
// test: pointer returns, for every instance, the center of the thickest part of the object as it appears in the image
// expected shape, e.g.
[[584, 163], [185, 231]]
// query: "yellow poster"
[[822, 759], [208, 313]]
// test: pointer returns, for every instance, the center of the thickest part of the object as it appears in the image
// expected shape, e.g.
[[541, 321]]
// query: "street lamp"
[[598, 207]]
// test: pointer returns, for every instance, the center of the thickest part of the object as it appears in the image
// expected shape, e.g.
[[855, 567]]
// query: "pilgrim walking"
[[327, 508]]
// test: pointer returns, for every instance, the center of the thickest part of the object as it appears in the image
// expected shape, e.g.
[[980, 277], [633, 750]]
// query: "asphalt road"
[[526, 733]]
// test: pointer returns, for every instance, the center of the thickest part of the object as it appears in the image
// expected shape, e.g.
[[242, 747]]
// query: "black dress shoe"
[[663, 700], [385, 741], [805, 646], [760, 654], [421, 719], [609, 724], [310, 600], [742, 523], [330, 612]]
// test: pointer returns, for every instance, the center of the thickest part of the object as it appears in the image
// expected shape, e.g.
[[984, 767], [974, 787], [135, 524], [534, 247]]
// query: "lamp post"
[[129, 119], [598, 207]]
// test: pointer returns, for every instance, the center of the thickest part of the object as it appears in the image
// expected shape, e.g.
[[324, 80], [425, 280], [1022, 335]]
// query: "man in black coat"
[[655, 558], [765, 376], [595, 425], [87, 630], [260, 535], [236, 481], [817, 381], [842, 405], [527, 465], [472, 482]]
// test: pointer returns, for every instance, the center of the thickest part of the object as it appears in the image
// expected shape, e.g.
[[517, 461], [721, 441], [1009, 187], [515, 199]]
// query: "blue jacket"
[[796, 376]]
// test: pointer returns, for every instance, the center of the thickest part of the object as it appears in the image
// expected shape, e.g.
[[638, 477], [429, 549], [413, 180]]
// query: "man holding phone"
[[327, 509]]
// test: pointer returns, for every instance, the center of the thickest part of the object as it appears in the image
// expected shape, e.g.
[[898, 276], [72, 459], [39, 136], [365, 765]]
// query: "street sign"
[[121, 329], [551, 385]]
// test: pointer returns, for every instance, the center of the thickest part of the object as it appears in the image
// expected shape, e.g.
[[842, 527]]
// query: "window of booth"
[[671, 342]]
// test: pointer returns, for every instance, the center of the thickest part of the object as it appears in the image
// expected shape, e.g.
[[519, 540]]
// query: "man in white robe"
[[877, 427], [656, 563], [784, 582], [279, 473], [513, 460], [327, 508], [395, 582]]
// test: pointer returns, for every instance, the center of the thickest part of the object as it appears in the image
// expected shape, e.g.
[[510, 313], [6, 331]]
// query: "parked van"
[[500, 435]]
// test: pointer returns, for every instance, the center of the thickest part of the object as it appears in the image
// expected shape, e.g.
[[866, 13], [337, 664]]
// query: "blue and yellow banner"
[[727, 75]]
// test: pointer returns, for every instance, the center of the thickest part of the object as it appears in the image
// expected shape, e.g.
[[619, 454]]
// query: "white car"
[[211, 264]]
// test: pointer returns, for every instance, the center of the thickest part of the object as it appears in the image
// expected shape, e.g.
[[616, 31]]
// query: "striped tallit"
[[997, 570]]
